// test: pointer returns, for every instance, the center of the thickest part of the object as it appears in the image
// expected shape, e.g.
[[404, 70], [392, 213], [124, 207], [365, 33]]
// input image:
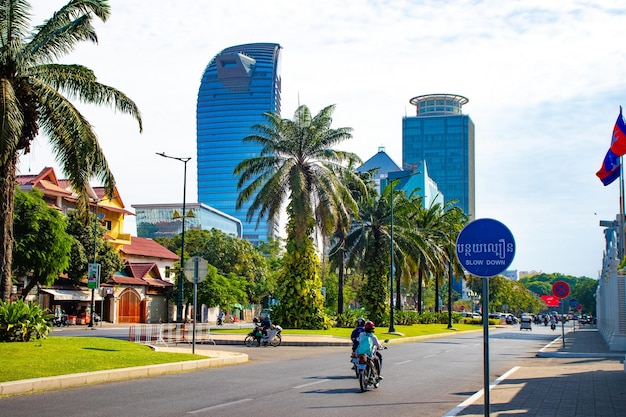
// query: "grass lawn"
[[381, 332], [69, 355]]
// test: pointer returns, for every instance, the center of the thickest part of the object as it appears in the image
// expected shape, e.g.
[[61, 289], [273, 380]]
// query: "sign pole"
[[563, 322], [486, 344], [197, 268], [485, 248], [195, 304], [560, 289]]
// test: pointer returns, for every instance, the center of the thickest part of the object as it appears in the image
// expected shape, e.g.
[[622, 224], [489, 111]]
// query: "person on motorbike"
[[360, 326], [264, 325], [368, 339], [552, 322]]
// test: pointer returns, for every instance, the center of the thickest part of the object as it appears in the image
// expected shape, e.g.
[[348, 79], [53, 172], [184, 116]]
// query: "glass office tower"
[[239, 85], [443, 136]]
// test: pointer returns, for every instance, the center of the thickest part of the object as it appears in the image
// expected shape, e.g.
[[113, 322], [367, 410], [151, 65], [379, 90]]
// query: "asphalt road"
[[426, 378]]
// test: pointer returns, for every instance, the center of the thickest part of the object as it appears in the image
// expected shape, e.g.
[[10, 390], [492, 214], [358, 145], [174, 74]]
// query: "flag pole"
[[620, 251]]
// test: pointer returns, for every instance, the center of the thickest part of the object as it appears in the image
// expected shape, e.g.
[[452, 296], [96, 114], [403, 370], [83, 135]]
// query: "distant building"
[[380, 164], [415, 182], [58, 194], [239, 85], [523, 274], [442, 136], [137, 293], [157, 220], [511, 274]]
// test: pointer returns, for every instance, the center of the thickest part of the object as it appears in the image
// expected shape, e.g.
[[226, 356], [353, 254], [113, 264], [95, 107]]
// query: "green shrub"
[[21, 322], [349, 317]]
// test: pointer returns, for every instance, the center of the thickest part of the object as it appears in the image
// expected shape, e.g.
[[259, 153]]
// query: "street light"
[[392, 328], [179, 304], [95, 271]]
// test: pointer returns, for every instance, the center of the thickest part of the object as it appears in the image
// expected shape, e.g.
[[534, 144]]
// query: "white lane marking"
[[311, 383], [550, 344], [403, 362], [456, 410], [213, 407], [429, 356]]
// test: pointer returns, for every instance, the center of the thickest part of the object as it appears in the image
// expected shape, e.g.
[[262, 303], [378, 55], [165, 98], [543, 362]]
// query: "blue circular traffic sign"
[[485, 247]]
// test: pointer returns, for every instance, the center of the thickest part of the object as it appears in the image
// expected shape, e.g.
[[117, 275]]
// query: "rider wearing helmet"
[[368, 336], [360, 326]]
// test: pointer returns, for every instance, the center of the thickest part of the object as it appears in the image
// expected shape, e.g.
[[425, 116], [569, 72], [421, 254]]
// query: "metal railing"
[[169, 333]]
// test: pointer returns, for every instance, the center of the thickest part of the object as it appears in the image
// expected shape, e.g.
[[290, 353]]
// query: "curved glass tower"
[[239, 85]]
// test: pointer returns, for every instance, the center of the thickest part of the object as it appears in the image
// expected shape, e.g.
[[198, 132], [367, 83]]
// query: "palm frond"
[[61, 33]]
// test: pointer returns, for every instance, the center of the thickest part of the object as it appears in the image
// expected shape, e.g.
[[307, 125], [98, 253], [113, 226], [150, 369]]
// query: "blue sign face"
[[573, 303], [485, 247]]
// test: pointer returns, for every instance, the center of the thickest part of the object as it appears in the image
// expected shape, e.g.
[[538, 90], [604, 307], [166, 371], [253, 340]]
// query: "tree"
[[585, 293], [42, 246], [368, 246], [231, 257], [297, 163], [86, 247], [337, 254], [36, 93]]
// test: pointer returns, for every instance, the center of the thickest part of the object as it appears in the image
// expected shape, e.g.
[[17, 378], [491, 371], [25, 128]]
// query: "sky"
[[544, 80]]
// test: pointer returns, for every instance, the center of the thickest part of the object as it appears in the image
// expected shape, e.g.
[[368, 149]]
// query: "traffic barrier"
[[169, 333]]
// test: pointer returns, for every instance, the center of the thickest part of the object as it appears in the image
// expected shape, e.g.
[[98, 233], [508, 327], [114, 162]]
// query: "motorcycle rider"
[[552, 322], [360, 326], [264, 325], [369, 345]]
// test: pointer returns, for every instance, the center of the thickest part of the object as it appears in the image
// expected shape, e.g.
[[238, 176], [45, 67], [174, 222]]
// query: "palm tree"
[[368, 246], [337, 254], [449, 222], [297, 163], [36, 93]]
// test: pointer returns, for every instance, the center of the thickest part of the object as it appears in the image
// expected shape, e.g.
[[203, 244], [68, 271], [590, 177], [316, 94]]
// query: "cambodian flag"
[[610, 169], [618, 142]]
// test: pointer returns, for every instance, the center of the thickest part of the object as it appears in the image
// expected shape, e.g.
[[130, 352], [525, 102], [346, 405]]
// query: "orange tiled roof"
[[138, 274], [141, 269], [119, 279], [141, 246]]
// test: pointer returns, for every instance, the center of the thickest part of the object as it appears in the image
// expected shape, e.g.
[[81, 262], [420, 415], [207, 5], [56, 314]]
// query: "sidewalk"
[[581, 378]]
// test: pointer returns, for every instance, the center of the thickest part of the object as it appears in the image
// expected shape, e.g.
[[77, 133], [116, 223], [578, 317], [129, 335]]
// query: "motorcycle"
[[256, 338], [553, 325], [62, 320], [366, 371], [354, 358]]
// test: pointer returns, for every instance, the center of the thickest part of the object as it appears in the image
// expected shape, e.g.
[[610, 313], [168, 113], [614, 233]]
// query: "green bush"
[[21, 322], [348, 318]]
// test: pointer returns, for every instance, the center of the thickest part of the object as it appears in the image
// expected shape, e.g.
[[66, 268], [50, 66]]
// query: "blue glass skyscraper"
[[239, 85], [442, 136]]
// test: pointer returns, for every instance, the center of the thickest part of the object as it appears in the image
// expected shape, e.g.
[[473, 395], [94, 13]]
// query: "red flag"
[[618, 143]]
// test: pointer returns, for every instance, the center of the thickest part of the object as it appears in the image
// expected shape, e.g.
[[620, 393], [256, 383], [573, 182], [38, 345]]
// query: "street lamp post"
[[179, 304], [392, 328], [450, 254], [95, 255], [95, 265]]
